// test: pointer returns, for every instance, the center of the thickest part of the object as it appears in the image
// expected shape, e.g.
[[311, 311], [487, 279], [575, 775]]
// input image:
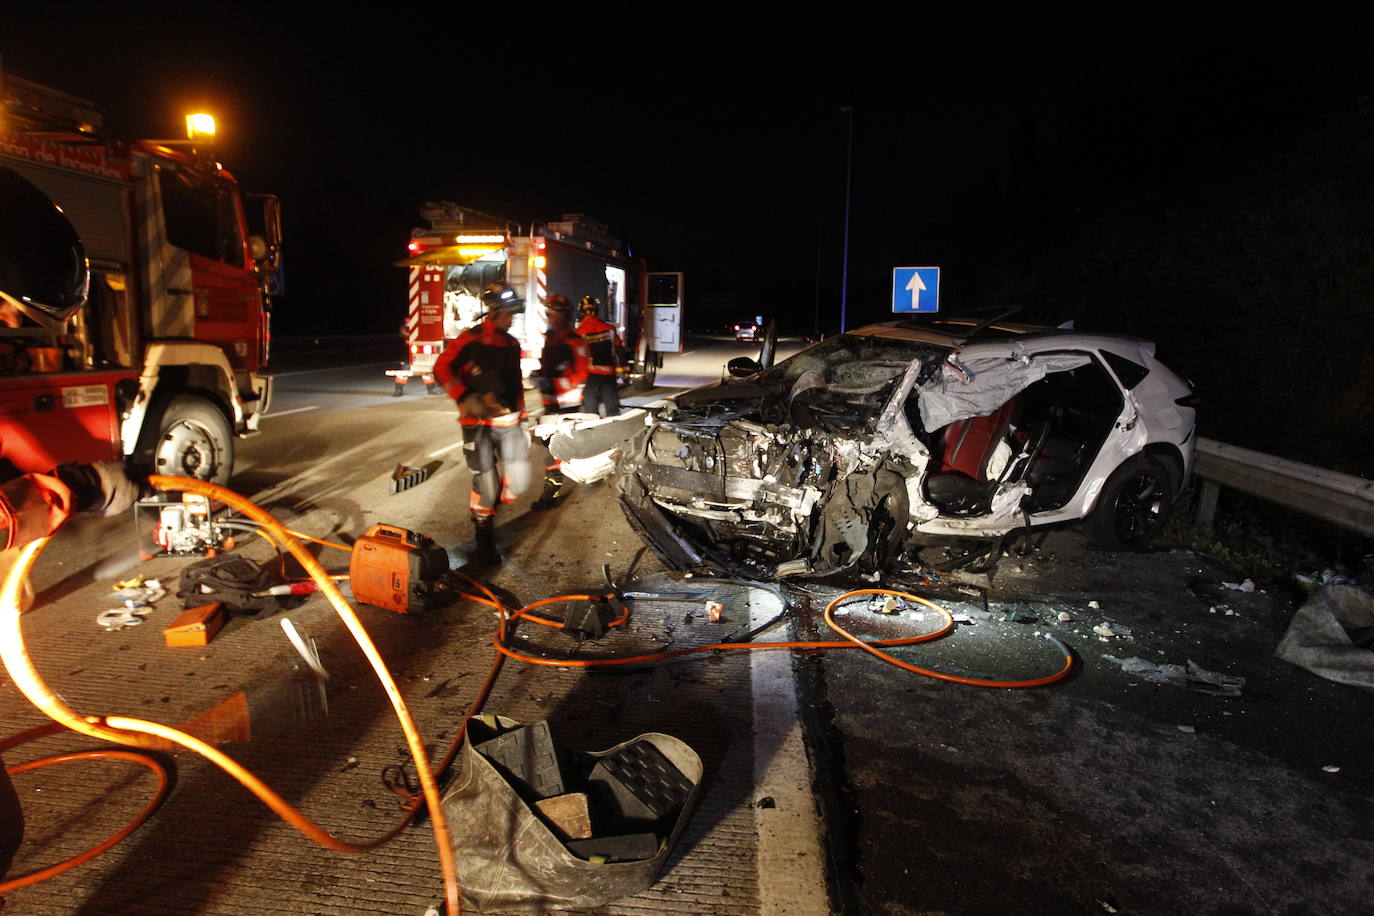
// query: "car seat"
[[961, 485]]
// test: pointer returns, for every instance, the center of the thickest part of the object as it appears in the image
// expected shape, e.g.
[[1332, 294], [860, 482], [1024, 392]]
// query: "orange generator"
[[398, 570]]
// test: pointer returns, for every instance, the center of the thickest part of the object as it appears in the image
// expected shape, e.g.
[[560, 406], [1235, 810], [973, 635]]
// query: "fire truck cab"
[[166, 362]]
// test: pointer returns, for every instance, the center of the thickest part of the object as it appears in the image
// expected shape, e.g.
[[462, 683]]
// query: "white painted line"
[[447, 448], [282, 413], [332, 369], [791, 859]]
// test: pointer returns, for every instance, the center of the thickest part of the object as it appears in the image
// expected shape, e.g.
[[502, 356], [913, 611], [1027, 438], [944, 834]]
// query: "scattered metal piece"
[[403, 478], [690, 597], [305, 645], [121, 617]]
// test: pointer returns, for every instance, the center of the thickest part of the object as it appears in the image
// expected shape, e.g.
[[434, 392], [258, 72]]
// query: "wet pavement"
[[1102, 793]]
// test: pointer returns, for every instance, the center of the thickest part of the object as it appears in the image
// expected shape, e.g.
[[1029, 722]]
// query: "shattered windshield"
[[846, 378]]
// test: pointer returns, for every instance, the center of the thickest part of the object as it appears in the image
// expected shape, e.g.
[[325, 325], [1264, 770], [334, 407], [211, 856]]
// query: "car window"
[[200, 216], [1128, 371]]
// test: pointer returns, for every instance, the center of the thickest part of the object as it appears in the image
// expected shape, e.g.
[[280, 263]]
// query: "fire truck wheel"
[[193, 440], [646, 381]]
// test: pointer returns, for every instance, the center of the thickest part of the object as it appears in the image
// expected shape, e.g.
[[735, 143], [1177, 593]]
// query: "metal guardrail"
[[1341, 499]]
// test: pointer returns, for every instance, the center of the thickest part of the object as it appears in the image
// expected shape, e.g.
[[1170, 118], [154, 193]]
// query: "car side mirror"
[[741, 367]]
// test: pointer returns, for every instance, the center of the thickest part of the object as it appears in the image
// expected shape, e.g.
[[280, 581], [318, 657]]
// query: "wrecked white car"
[[866, 448]]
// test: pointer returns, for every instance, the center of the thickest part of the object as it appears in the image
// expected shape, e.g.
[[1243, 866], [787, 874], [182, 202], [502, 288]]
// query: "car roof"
[[956, 333]]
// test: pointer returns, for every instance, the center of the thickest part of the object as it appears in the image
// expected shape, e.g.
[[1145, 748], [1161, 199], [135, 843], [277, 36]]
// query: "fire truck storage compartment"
[[97, 207]]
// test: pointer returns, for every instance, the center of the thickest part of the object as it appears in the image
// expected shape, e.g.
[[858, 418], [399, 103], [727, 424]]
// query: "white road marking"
[[791, 859], [447, 448], [282, 413], [330, 369]]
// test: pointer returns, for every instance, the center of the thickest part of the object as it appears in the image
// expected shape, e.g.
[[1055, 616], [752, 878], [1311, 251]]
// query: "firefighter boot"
[[552, 496], [486, 552]]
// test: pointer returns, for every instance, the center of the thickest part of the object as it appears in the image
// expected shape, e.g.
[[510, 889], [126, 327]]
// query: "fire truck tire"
[[192, 439], [646, 381]]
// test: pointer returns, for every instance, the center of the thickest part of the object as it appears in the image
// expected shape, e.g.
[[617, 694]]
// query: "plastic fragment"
[[1190, 676], [1330, 768], [1187, 729]]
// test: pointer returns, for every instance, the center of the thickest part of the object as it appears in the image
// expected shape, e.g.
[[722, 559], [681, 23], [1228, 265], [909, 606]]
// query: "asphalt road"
[[1099, 793]]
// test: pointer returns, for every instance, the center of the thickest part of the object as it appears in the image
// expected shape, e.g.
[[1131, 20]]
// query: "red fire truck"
[[164, 365], [464, 251]]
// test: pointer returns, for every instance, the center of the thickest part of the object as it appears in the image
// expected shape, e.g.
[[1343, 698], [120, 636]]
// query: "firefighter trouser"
[[601, 395], [484, 446]]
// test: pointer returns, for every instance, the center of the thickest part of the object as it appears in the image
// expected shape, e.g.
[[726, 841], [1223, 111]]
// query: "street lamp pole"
[[848, 169], [816, 311]]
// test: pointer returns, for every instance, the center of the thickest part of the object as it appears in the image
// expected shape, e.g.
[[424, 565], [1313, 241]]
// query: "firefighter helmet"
[[590, 305], [500, 296], [558, 303], [43, 269]]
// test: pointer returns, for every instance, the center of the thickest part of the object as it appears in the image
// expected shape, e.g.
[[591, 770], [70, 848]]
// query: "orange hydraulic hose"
[[125, 730], [524, 612], [851, 641], [415, 742], [159, 795], [714, 647], [939, 675]]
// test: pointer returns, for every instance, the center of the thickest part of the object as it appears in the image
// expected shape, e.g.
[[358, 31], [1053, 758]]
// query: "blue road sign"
[[915, 289]]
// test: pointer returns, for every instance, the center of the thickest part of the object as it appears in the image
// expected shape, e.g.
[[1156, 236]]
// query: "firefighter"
[[562, 369], [601, 395], [481, 372]]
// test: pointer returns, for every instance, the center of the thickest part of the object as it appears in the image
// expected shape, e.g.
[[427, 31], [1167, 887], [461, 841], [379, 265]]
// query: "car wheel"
[[193, 439], [1134, 505]]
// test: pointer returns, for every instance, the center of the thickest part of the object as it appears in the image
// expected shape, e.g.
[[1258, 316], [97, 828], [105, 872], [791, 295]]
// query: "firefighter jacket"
[[564, 357], [480, 370], [603, 344]]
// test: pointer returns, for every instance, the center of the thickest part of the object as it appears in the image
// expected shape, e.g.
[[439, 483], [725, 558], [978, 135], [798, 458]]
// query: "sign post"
[[915, 289]]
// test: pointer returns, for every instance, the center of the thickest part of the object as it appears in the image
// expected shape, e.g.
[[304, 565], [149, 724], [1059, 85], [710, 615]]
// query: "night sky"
[[712, 139]]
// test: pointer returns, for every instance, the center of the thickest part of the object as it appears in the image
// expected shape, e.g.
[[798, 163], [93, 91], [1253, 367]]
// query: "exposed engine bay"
[[780, 474]]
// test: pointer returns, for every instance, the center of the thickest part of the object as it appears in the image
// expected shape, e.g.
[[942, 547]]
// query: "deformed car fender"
[[652, 526]]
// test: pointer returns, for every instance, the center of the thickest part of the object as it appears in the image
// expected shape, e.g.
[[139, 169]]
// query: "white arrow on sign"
[[915, 287]]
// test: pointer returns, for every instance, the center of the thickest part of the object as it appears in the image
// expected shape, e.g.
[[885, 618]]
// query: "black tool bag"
[[231, 581]]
